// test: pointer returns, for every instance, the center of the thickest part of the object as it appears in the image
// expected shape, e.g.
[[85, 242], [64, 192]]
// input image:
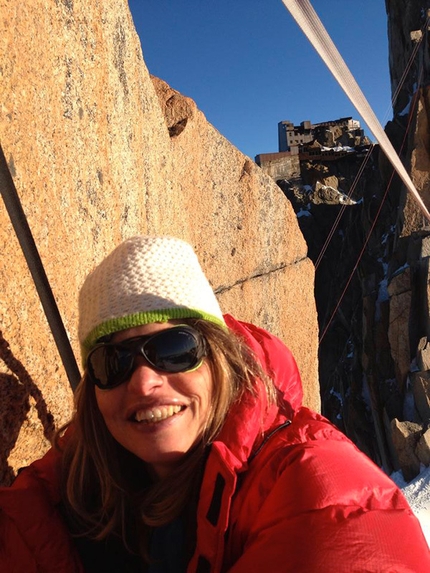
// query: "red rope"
[[366, 159], [411, 114], [342, 210]]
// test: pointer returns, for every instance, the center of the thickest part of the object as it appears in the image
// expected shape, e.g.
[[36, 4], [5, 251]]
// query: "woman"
[[190, 451]]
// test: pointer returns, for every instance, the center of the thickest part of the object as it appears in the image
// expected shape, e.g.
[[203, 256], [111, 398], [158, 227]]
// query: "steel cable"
[[308, 20]]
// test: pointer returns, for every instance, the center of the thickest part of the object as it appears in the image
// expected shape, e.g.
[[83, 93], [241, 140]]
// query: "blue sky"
[[248, 66]]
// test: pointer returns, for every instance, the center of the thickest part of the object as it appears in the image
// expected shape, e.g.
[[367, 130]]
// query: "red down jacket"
[[302, 499]]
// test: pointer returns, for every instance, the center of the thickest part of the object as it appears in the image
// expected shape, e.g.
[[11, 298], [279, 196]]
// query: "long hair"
[[107, 490]]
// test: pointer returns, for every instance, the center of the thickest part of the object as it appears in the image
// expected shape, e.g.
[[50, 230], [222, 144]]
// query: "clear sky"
[[248, 66]]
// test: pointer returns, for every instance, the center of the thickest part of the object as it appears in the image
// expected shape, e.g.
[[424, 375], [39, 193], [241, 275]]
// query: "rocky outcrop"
[[335, 135], [406, 437], [372, 266], [335, 201], [100, 151], [409, 324], [370, 247], [410, 72]]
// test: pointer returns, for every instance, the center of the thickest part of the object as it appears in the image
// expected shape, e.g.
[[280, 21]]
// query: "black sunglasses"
[[177, 349]]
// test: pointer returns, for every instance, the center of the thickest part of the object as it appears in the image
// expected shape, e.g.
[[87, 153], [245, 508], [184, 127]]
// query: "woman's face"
[[156, 415]]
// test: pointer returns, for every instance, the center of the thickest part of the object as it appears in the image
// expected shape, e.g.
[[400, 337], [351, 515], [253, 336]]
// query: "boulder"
[[425, 248], [423, 354], [393, 457], [405, 437], [421, 392], [328, 194], [423, 448], [100, 151]]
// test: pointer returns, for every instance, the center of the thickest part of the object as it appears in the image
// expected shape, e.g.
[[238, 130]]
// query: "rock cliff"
[[370, 246], [100, 151], [336, 201]]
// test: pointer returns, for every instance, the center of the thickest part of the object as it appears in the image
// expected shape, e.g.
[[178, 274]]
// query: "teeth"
[[158, 414]]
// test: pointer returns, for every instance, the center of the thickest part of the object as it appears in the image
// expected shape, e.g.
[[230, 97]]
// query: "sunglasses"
[[173, 350]]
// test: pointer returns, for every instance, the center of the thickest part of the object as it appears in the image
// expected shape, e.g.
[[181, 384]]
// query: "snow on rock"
[[417, 492]]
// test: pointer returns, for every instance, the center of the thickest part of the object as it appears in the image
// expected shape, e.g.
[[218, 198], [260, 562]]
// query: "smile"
[[158, 414]]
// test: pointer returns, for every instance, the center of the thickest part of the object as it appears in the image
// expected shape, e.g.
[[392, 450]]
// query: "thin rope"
[[415, 102], [366, 159], [344, 206], [356, 264], [312, 27]]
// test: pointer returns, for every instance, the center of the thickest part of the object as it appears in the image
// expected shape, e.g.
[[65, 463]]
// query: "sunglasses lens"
[[177, 349], [174, 350], [109, 365]]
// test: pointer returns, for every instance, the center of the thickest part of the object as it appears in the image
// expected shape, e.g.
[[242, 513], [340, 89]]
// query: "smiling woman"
[[159, 414], [189, 450]]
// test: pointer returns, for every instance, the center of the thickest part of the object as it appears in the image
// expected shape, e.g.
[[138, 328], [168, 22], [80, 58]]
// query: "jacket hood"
[[251, 419]]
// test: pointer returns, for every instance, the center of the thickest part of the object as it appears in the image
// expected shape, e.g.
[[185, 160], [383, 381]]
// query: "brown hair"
[[106, 489]]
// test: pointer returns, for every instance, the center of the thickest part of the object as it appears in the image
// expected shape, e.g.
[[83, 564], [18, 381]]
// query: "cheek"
[[107, 402], [204, 388], [209, 392], [197, 387]]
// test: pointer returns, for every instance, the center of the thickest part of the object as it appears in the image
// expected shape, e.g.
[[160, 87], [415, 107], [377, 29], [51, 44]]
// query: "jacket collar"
[[250, 423], [250, 420]]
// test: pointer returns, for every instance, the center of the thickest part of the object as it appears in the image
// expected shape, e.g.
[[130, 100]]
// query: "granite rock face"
[[100, 151], [409, 57]]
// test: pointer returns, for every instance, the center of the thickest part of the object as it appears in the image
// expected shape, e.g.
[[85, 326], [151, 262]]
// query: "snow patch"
[[417, 493], [337, 395], [406, 109], [400, 270]]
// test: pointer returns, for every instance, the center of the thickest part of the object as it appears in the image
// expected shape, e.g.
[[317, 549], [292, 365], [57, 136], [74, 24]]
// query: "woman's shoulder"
[[42, 475], [36, 486], [309, 475], [34, 533], [316, 465]]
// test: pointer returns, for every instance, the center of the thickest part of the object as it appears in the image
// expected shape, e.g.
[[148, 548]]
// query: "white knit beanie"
[[144, 280]]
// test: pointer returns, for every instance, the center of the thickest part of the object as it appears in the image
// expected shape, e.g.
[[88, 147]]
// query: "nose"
[[144, 379]]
